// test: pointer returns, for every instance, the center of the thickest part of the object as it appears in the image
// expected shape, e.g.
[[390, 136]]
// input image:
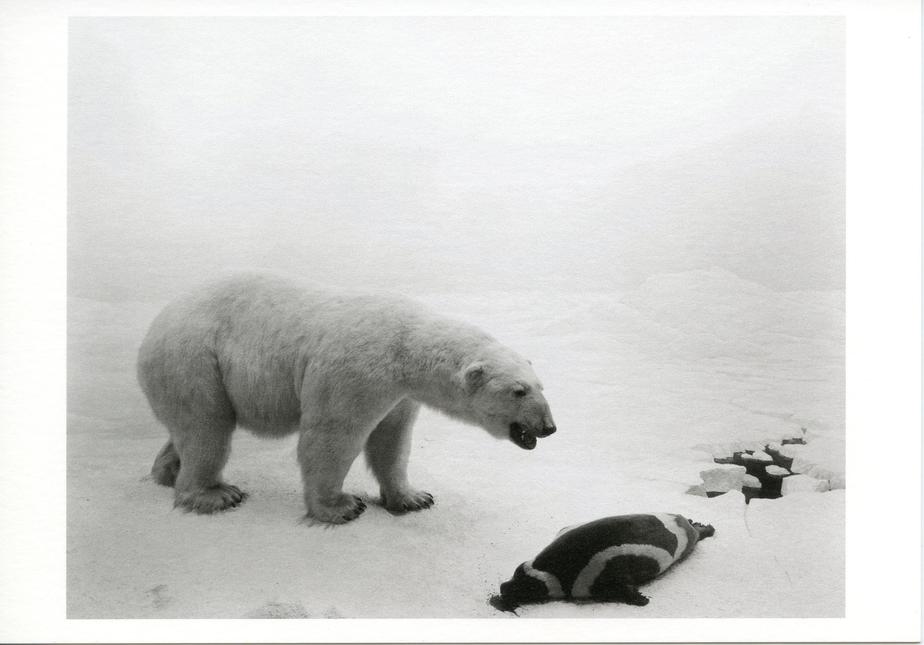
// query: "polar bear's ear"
[[474, 376]]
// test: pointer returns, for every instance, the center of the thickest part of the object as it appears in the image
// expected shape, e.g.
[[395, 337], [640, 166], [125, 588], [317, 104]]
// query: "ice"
[[698, 489], [724, 478], [776, 470], [801, 464], [750, 481], [803, 484], [791, 450]]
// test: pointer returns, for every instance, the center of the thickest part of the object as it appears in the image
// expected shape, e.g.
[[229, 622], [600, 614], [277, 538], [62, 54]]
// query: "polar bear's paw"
[[210, 500], [347, 507], [406, 500]]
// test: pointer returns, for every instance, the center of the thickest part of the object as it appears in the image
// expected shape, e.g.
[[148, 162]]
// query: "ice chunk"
[[758, 455], [723, 478], [779, 471], [750, 481], [697, 490], [803, 484], [801, 465], [819, 472], [791, 450]]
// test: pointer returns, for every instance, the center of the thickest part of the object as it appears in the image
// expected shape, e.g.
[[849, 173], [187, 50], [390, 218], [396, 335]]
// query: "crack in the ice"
[[768, 466], [782, 568]]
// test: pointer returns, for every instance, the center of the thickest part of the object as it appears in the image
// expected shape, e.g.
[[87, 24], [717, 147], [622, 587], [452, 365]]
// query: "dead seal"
[[604, 560]]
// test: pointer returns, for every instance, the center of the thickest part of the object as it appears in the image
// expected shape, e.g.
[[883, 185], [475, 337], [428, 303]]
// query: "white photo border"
[[883, 336]]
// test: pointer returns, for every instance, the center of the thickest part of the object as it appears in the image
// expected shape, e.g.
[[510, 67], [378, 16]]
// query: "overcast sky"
[[455, 153]]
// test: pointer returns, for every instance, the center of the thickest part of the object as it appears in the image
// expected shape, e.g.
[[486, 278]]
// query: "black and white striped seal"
[[603, 560]]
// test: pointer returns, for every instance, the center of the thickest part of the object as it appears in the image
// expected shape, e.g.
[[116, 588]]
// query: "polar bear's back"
[[259, 295], [258, 338], [268, 306]]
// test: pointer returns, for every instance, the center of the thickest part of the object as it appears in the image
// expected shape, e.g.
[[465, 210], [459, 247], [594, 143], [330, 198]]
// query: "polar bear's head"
[[505, 398]]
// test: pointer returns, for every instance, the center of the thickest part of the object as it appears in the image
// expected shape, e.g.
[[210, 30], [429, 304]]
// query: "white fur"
[[344, 371]]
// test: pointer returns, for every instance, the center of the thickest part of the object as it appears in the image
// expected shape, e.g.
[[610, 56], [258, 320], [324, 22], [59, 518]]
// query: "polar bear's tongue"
[[521, 437]]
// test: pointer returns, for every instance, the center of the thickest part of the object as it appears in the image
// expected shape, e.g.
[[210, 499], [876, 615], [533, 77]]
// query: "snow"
[[804, 483], [635, 386]]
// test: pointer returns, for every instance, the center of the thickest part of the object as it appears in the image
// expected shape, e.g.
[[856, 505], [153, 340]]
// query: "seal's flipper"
[[626, 593], [632, 596]]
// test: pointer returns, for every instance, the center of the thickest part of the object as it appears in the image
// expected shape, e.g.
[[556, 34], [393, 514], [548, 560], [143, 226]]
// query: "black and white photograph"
[[458, 317], [451, 285]]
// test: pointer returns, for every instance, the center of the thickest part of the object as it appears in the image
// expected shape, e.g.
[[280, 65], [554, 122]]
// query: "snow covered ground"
[[639, 381]]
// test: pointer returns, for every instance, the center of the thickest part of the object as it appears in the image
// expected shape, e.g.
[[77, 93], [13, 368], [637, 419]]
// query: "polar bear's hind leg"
[[203, 454], [187, 395], [166, 465]]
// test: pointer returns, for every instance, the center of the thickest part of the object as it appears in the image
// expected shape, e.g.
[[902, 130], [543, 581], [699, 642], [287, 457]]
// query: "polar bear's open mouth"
[[521, 437]]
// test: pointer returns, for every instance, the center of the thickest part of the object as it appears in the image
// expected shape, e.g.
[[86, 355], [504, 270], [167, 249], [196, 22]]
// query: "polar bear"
[[346, 372]]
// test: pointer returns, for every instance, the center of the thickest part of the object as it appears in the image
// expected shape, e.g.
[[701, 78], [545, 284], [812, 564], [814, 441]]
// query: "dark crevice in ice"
[[770, 484]]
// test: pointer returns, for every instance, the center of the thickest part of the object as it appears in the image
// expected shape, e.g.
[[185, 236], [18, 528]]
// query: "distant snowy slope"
[[714, 310]]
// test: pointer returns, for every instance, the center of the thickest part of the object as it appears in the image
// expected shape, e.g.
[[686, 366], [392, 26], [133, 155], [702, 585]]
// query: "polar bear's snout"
[[525, 438], [535, 422], [548, 427]]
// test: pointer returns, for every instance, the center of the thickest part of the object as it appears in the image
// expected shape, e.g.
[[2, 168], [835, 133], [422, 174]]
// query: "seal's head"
[[521, 589], [704, 530]]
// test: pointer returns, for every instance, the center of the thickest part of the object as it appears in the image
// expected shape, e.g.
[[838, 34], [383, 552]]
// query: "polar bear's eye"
[[519, 391]]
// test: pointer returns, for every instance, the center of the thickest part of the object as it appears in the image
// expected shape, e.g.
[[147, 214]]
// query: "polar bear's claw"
[[210, 500], [349, 508], [399, 503]]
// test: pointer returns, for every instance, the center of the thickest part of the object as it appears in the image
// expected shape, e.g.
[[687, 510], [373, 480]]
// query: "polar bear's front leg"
[[387, 452], [326, 450]]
